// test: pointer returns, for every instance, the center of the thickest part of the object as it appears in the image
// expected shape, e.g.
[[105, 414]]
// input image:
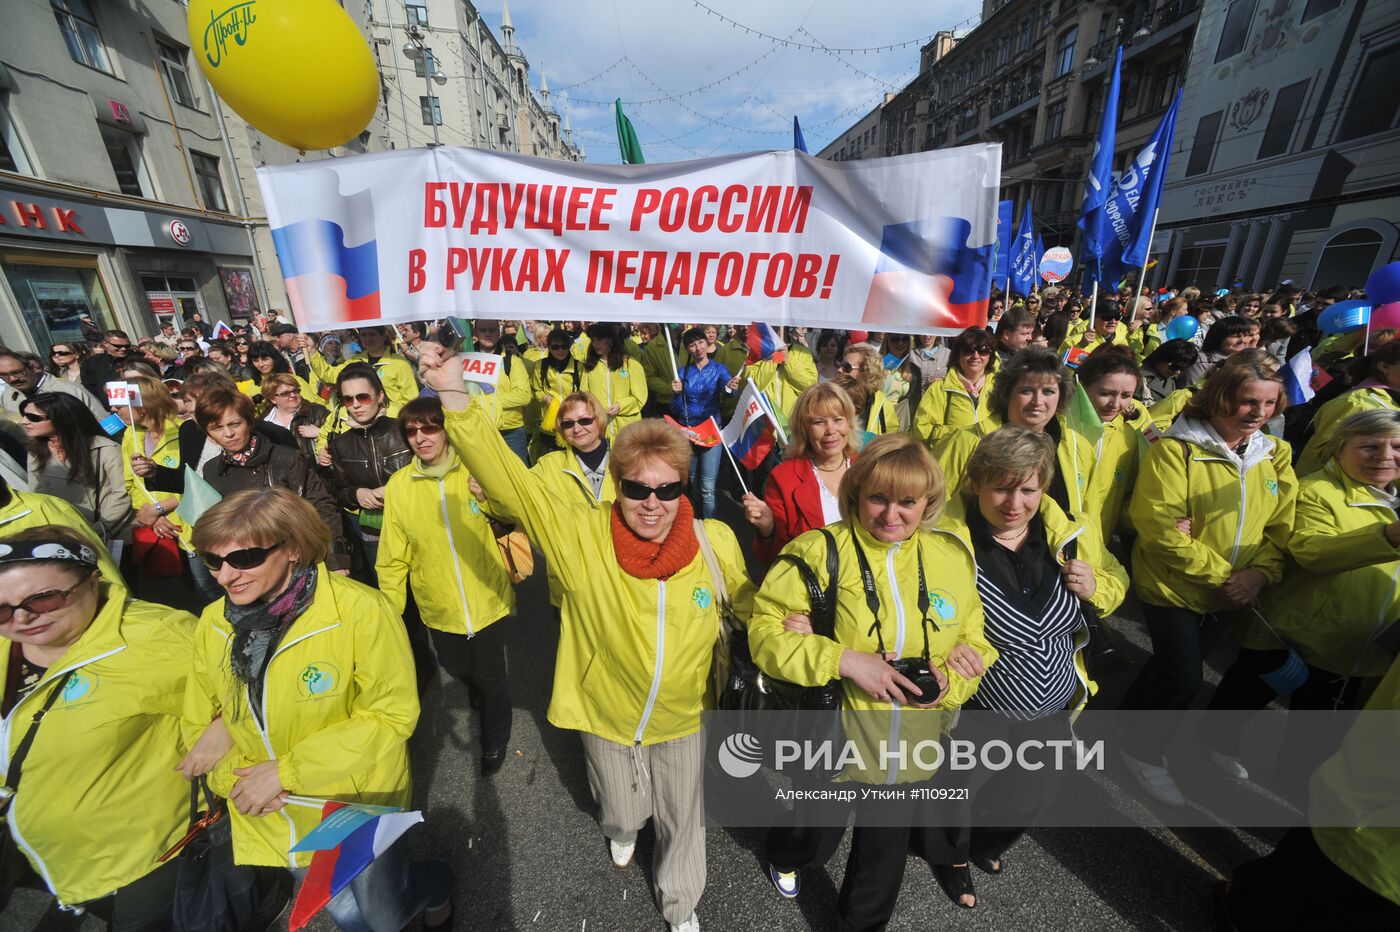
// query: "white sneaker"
[[621, 854], [1232, 767], [786, 883], [690, 925], [1154, 780]]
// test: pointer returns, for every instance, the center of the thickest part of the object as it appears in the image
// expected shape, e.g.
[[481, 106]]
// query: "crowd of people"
[[353, 516]]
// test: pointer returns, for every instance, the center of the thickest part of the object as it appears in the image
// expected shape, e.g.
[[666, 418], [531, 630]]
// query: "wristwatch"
[[160, 509]]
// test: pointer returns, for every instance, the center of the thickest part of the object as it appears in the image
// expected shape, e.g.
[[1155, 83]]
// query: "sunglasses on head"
[[639, 492], [41, 603], [247, 559], [363, 398], [581, 422], [427, 430]]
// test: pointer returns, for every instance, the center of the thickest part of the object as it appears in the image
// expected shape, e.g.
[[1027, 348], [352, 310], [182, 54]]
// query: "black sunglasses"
[[363, 398], [41, 603], [33, 418], [62, 352], [563, 346], [118, 347], [638, 492], [247, 559], [848, 368], [188, 349], [581, 422], [427, 430]]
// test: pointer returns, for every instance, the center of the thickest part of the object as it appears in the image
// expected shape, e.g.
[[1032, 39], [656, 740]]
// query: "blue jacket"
[[704, 389]]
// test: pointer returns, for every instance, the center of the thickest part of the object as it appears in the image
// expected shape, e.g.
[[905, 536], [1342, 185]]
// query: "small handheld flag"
[[332, 869], [702, 435], [749, 435], [199, 496], [221, 331], [764, 343], [1298, 377]]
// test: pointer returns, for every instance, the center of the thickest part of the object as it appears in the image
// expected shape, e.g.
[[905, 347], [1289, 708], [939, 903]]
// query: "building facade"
[[1287, 164], [128, 193]]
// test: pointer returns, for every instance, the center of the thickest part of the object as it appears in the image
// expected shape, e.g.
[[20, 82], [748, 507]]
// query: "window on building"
[[1132, 85], [1023, 38], [1287, 105], [1165, 80], [79, 27], [12, 157], [211, 185], [424, 65], [1064, 51], [432, 110], [175, 71], [1200, 264], [1318, 7], [417, 13], [1374, 105], [1054, 120], [53, 297], [1347, 258], [124, 150], [1203, 148], [1235, 32]]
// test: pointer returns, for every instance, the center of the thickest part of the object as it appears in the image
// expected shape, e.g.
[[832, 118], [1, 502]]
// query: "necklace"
[[1012, 536], [837, 468]]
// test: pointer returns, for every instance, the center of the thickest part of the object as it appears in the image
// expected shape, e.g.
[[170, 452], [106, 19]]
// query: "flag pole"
[[1147, 254], [670, 352], [729, 453]]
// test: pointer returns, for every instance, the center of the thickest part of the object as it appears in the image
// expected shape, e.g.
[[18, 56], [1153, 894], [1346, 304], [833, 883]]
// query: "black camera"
[[916, 670]]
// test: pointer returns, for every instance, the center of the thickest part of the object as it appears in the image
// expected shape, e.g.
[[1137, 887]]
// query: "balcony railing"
[[1147, 23]]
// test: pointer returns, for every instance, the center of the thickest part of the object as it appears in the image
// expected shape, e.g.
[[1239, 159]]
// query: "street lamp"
[[432, 74]]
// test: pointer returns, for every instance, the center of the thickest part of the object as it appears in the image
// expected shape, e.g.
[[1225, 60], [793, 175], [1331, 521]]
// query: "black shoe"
[[492, 761], [987, 865], [277, 886], [443, 923], [956, 882]]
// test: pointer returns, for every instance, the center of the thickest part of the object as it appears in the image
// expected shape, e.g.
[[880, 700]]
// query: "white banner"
[[903, 243]]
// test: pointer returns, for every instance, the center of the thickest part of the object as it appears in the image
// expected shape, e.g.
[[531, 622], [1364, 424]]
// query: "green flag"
[[627, 138], [1082, 417], [199, 496]]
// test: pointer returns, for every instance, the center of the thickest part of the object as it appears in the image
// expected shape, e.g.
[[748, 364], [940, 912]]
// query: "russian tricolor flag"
[[750, 433], [764, 343], [1298, 378], [356, 835]]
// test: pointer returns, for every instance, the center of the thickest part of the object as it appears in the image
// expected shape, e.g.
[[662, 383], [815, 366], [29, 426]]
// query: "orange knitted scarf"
[[647, 559]]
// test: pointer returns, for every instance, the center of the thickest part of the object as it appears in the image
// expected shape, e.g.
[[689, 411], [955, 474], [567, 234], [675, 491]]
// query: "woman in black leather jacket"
[[363, 457]]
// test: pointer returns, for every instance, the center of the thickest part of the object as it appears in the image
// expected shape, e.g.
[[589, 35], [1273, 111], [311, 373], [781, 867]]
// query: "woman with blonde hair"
[[641, 588], [802, 493], [905, 592], [311, 674], [288, 408], [863, 378], [152, 437]]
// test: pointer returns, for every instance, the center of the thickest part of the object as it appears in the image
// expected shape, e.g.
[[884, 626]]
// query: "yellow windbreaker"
[[946, 408], [395, 374], [1074, 459], [1241, 512], [955, 616], [634, 654], [1116, 458], [783, 382], [512, 396], [625, 387], [436, 536], [167, 453], [1341, 586], [1357, 785], [562, 476], [34, 509], [99, 799], [1330, 416], [339, 704]]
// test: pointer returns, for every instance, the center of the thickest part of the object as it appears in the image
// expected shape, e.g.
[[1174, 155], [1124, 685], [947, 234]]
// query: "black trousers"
[[480, 663], [141, 906], [1298, 887], [875, 867]]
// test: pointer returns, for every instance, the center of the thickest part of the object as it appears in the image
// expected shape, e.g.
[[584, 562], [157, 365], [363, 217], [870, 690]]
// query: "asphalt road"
[[529, 856]]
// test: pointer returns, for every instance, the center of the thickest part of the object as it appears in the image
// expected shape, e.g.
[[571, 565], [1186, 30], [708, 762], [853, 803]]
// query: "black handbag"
[[212, 893]]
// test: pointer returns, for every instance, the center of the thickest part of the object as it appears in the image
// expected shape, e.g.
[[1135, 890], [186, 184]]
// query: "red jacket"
[[794, 493]]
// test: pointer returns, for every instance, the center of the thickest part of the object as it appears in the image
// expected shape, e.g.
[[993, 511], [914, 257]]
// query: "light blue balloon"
[[1182, 328]]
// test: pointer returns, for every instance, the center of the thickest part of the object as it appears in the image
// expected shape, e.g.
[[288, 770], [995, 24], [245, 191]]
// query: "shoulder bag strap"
[[22, 751], [716, 576], [826, 625]]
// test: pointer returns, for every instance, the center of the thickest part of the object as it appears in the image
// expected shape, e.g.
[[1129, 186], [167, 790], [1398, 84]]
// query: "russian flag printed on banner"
[[702, 435], [330, 264], [764, 343], [750, 432], [930, 276], [332, 869]]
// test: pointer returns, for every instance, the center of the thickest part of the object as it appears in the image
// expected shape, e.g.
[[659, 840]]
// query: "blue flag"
[[1093, 214], [1006, 218], [1024, 258], [1142, 184], [1039, 254], [798, 142]]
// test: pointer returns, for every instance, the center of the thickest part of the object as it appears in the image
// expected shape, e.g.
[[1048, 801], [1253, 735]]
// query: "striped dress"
[[1034, 675]]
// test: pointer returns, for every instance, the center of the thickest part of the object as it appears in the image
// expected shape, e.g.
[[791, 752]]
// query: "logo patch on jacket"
[[79, 689], [473, 507], [317, 680], [702, 597], [943, 605], [1272, 486]]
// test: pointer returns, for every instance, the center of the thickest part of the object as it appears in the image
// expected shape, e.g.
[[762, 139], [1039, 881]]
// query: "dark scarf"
[[593, 458], [242, 458], [257, 627]]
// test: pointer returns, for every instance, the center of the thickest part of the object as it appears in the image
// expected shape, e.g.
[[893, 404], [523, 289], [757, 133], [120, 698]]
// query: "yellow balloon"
[[299, 70]]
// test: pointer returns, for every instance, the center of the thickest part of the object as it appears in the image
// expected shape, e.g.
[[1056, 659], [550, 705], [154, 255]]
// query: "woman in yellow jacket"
[[1213, 509], [863, 378], [436, 538], [1380, 380], [311, 674], [98, 797], [782, 382], [154, 433], [614, 377], [1034, 390], [924, 608], [1034, 569], [1110, 378], [20, 510], [639, 620], [960, 399], [553, 378], [579, 472]]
